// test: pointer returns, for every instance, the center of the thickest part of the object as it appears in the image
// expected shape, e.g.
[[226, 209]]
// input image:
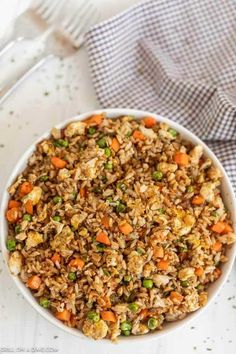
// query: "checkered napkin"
[[176, 58]]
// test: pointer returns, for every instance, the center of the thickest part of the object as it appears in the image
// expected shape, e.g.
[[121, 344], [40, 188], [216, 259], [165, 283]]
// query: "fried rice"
[[118, 225]]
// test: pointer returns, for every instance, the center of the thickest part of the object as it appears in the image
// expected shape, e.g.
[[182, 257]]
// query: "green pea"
[[93, 316], [89, 304], [92, 130], [106, 272], [126, 326], [102, 143], [200, 287], [132, 296], [160, 211], [147, 283], [81, 146], [57, 199], [107, 152], [152, 323], [166, 293], [173, 132], [113, 298], [183, 249], [84, 257], [11, 245], [108, 166], [140, 250], [44, 302], [127, 278], [190, 189], [110, 200], [101, 247], [133, 307], [121, 208], [126, 333], [157, 175], [128, 135], [184, 283], [214, 214], [72, 196], [27, 217], [17, 229], [104, 179], [97, 190], [72, 276], [43, 178], [122, 186], [61, 143], [56, 218]]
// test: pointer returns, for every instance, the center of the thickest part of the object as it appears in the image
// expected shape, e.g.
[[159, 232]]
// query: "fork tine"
[[80, 17], [88, 18], [40, 5], [70, 19], [54, 10], [49, 9], [41, 8], [77, 22]]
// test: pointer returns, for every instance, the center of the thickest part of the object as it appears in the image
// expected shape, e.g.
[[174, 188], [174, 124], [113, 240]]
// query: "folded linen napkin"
[[176, 58]]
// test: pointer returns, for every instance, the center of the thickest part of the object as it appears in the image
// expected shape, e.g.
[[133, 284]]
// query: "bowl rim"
[[113, 113]]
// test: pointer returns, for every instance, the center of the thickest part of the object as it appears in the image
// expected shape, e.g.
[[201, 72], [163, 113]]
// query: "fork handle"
[[9, 88], [6, 46]]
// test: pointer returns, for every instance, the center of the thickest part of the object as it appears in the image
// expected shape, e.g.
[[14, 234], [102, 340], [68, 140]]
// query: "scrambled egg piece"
[[196, 154], [34, 238], [34, 195], [47, 147], [88, 170], [165, 167], [97, 330], [135, 263], [149, 133], [77, 219], [140, 328], [207, 191], [186, 273], [160, 280], [214, 173], [62, 240], [192, 301], [63, 174], [15, 262], [76, 128]]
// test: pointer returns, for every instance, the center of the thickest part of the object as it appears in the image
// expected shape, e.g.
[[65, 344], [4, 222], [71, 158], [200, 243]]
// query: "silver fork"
[[72, 28], [37, 17]]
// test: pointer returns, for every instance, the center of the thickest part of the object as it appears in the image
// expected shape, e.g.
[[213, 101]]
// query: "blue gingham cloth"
[[176, 58]]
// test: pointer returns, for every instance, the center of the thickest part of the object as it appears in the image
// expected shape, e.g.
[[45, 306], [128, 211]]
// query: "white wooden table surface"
[[57, 91]]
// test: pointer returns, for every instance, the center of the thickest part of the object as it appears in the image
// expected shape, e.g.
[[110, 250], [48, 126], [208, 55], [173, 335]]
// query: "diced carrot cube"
[[115, 145], [138, 135], [63, 315], [181, 158], [125, 228], [57, 162], [108, 316], [14, 204], [149, 122], [34, 282], [197, 200], [103, 238]]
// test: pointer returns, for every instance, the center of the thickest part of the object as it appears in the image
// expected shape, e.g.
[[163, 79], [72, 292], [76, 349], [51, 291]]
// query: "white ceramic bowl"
[[228, 196]]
